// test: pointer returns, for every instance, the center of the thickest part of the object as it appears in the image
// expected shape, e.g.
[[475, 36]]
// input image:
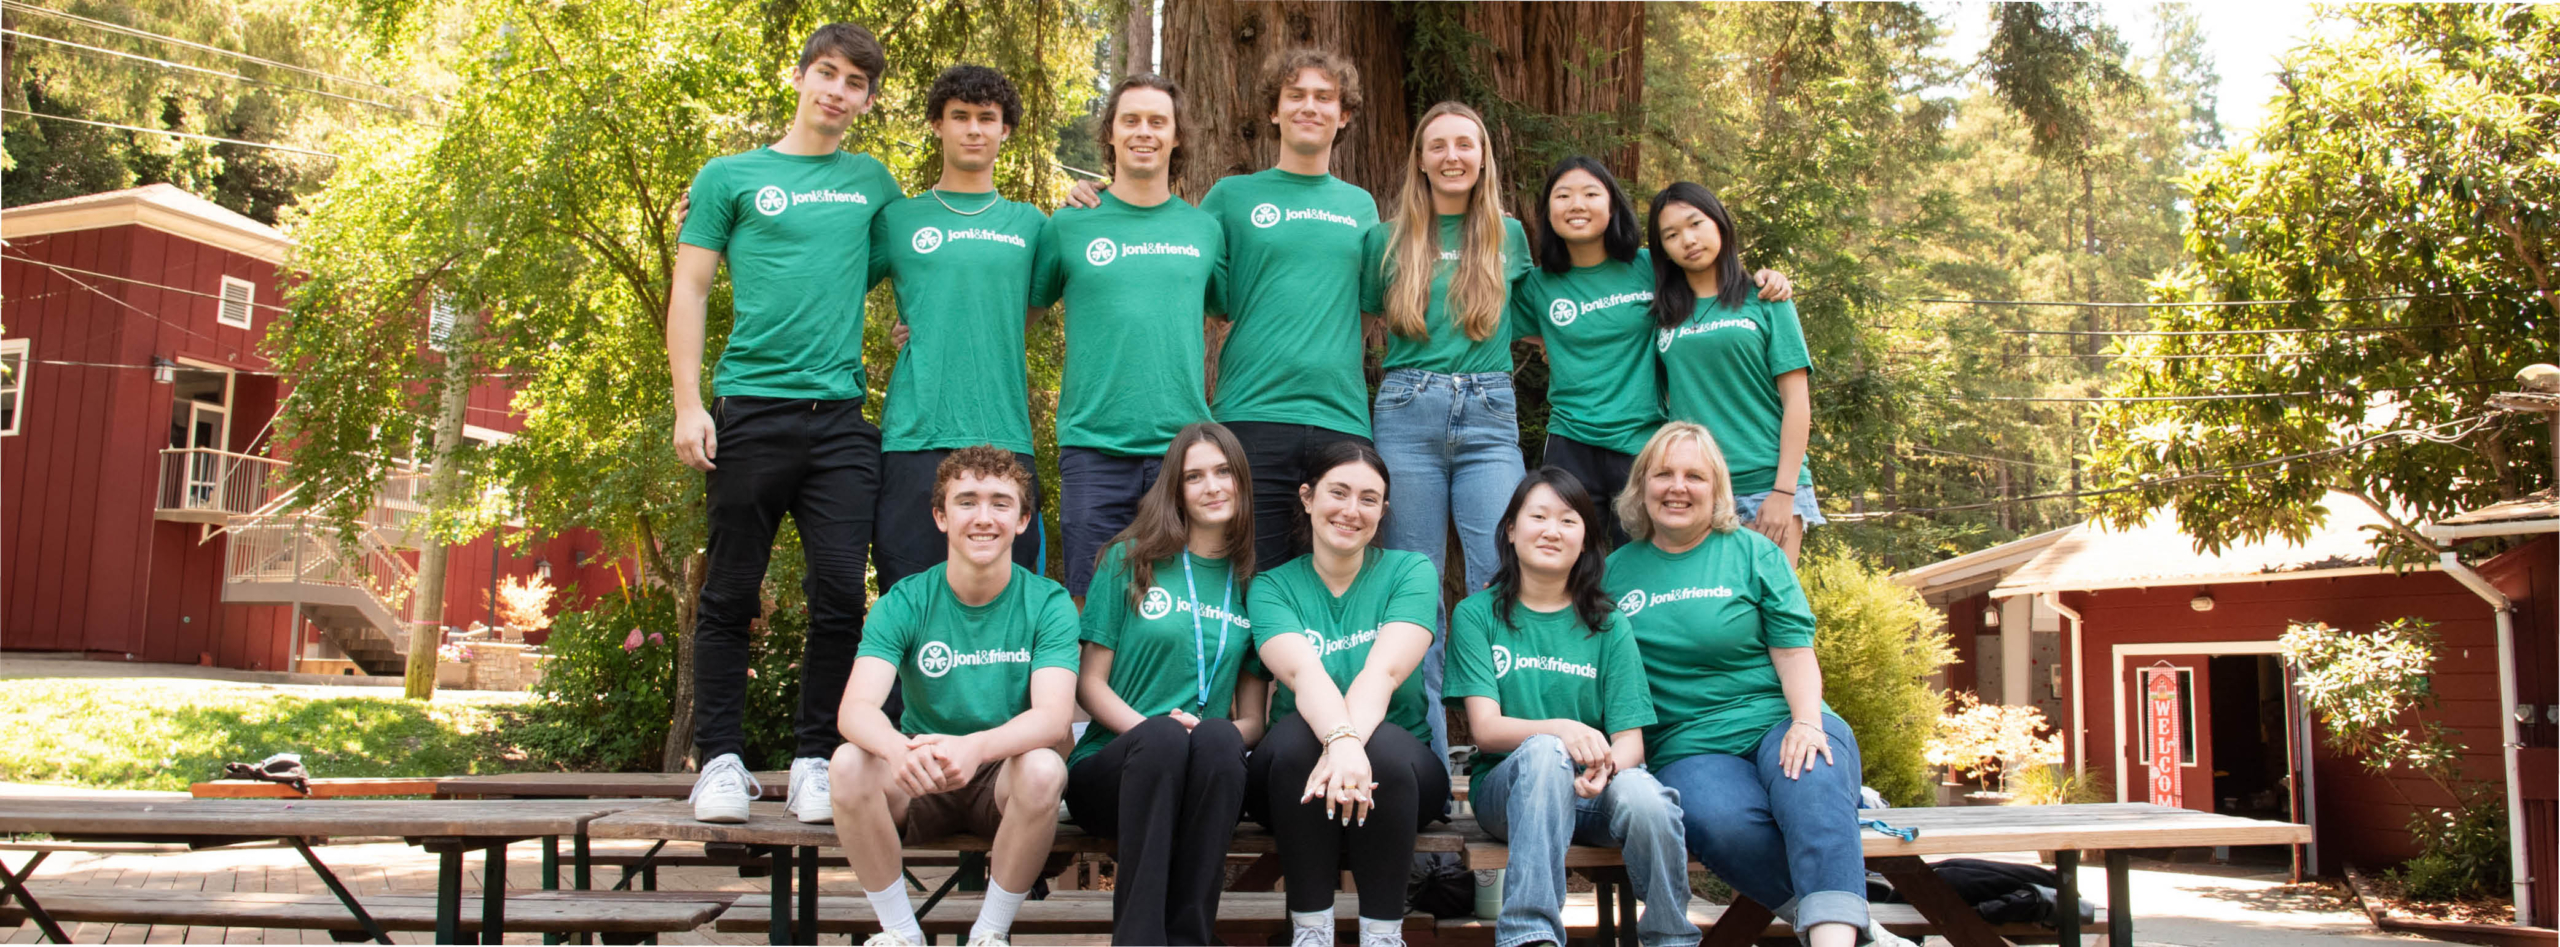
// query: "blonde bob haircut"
[[1631, 508]]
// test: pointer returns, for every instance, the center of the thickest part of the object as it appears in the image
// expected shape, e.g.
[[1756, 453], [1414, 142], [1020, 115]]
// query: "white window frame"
[[14, 387], [247, 307]]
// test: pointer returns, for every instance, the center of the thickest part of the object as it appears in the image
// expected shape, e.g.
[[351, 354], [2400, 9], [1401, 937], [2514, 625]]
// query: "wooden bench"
[[548, 912], [2114, 829], [446, 828], [1243, 917], [1582, 919], [348, 788]]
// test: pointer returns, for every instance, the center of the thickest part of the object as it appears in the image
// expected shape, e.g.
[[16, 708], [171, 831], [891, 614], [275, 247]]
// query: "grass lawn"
[[165, 734]]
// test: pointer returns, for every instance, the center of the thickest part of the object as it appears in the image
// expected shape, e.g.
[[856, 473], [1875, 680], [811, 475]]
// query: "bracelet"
[[1817, 727], [1340, 732], [1787, 492]]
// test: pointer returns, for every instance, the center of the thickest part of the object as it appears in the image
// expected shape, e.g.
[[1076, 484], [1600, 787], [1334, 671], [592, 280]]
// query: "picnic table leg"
[[2120, 898], [781, 898], [372, 928], [1955, 918], [809, 891], [1741, 925], [449, 896], [493, 895], [15, 885], [583, 871], [1627, 930], [2066, 919], [551, 875], [1600, 886]]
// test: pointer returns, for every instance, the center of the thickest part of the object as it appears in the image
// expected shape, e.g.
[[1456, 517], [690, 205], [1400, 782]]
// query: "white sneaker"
[[723, 789], [1311, 936], [1395, 939], [889, 939], [809, 800], [990, 940], [1877, 936]]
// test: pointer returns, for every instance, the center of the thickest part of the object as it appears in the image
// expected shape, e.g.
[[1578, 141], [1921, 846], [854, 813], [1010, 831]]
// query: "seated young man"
[[986, 654]]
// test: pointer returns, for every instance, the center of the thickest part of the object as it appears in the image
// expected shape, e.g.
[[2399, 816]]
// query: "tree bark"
[[688, 592], [426, 600], [1215, 50], [1540, 58], [1138, 39]]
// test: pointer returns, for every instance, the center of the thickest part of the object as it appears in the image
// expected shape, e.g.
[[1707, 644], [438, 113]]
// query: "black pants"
[[1097, 498], [818, 461], [1279, 453], [1413, 790], [1602, 471], [905, 541], [1171, 796]]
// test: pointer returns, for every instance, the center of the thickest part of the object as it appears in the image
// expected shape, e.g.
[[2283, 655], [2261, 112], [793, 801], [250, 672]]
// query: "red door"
[[2193, 714]]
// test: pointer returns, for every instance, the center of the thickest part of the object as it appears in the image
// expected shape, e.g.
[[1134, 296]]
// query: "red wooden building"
[[141, 515], [2101, 605]]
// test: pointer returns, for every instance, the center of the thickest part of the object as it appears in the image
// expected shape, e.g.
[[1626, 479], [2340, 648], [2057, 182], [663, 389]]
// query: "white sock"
[[1370, 926], [1322, 918], [895, 913], [996, 915]]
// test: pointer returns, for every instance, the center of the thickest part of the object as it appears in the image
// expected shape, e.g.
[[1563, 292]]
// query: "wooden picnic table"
[[2066, 830], [446, 828], [590, 785]]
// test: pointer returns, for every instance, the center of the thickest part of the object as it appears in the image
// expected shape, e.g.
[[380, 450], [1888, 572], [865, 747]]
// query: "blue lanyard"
[[1199, 638]]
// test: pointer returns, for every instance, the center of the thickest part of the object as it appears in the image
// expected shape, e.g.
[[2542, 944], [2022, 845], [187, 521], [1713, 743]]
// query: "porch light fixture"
[[2203, 602], [542, 567], [1991, 616], [163, 371]]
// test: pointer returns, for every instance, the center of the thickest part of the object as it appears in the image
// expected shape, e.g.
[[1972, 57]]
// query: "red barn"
[[141, 515]]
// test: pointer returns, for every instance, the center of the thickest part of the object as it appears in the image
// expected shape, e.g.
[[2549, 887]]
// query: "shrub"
[[1879, 644], [1979, 739]]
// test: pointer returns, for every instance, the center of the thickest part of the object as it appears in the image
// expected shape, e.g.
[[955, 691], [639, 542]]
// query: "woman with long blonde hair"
[[1438, 274]]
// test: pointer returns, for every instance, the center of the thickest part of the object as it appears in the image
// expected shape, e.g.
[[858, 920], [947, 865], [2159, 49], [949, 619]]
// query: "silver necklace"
[[992, 200]]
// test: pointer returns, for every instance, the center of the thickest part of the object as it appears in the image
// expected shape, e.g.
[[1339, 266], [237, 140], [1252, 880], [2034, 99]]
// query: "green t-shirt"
[[1292, 354], [1447, 349], [1136, 281], [963, 281], [1605, 389], [1158, 662], [1393, 585], [967, 668], [1720, 369], [1705, 621], [1545, 666], [796, 231]]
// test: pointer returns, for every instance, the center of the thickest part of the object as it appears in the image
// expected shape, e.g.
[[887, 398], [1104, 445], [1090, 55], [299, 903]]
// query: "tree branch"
[[2397, 526]]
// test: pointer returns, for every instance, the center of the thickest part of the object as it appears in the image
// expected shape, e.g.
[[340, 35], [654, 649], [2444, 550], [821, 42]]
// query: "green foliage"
[[2411, 153], [2051, 63], [2462, 850], [2056, 785], [603, 701], [1878, 644], [111, 734]]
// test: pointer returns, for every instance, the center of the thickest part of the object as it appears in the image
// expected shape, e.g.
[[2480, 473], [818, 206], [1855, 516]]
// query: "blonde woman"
[[1768, 776], [1438, 274]]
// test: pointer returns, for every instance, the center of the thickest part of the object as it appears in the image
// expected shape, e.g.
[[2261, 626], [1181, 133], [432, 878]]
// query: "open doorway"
[[2251, 768]]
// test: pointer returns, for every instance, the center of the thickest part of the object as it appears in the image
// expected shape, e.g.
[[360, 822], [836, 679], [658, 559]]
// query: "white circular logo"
[[1632, 602], [928, 239], [1316, 639], [1662, 340], [772, 200], [1159, 603], [1101, 251], [1266, 215], [935, 659], [1501, 662], [1561, 312]]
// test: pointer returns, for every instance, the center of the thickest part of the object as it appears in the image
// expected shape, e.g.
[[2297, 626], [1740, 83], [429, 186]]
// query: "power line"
[[66, 272], [127, 279], [1926, 449], [2202, 332], [200, 47], [2120, 356], [2249, 396], [100, 50], [2216, 303], [163, 131]]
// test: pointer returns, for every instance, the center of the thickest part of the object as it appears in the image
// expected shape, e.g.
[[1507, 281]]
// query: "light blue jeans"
[[1747, 505], [1528, 802], [1778, 839], [1452, 447]]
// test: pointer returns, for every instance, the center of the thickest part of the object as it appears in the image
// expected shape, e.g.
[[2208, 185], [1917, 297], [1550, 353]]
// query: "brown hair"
[[1111, 115], [1283, 67], [1480, 287], [1631, 512], [986, 461], [852, 42], [1162, 527]]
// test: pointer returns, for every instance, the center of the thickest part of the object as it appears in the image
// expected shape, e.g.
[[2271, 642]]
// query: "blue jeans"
[[1097, 497], [1777, 839], [1747, 505], [1528, 801], [1452, 447]]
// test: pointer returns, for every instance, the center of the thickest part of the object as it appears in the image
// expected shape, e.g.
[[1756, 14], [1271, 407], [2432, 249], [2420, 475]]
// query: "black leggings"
[[1170, 796], [1412, 790]]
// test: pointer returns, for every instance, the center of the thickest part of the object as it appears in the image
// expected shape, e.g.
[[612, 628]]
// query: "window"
[[13, 384], [2186, 707], [238, 295], [440, 317]]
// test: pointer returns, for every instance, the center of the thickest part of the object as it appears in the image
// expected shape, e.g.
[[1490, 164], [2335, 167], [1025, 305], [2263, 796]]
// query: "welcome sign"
[[2160, 693]]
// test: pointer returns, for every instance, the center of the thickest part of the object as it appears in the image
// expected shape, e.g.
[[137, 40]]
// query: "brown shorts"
[[971, 808]]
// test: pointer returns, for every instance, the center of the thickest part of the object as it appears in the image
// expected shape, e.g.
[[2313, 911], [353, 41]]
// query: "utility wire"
[[163, 131], [57, 267], [217, 73], [2249, 396], [2202, 332], [2202, 303], [200, 47]]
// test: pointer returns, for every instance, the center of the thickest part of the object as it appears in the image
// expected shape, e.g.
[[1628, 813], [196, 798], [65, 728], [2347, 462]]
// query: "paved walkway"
[[18, 665]]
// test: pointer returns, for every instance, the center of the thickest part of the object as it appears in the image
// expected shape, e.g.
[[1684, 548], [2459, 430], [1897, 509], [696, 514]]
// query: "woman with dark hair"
[[1555, 694], [1767, 774], [1737, 365], [1344, 774], [1165, 648], [1587, 301]]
